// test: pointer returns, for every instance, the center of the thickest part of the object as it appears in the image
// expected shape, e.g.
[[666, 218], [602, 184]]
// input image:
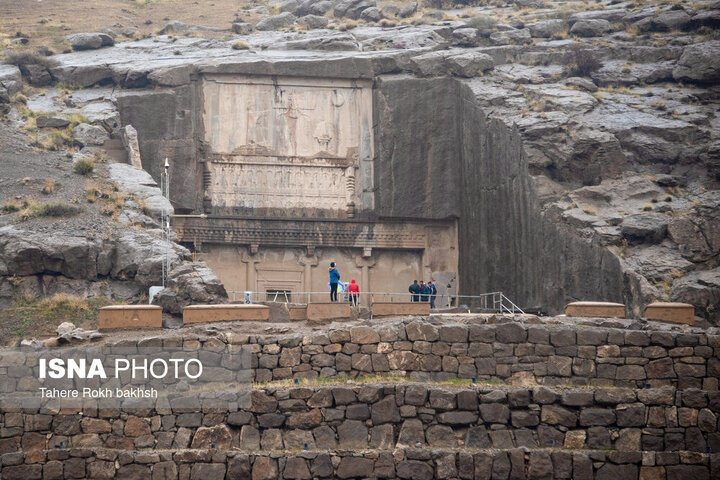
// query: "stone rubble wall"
[[508, 352], [388, 416], [656, 416], [415, 464]]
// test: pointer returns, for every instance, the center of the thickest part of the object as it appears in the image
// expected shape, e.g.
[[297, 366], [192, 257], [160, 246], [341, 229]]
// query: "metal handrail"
[[493, 301]]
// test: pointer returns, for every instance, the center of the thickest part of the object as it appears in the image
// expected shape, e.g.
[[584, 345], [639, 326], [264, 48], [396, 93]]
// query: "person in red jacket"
[[354, 291]]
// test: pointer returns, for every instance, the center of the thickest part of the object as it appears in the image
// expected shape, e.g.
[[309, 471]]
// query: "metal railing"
[[493, 302]]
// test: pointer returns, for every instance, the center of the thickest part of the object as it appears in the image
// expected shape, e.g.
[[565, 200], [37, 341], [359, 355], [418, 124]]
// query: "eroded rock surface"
[[623, 160]]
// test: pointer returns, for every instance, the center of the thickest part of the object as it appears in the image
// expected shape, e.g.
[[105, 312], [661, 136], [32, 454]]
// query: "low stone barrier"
[[671, 312], [328, 311], [129, 317], [595, 309], [225, 313], [386, 309]]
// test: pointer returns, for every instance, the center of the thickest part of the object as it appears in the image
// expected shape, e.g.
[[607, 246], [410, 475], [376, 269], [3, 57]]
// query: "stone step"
[[411, 463]]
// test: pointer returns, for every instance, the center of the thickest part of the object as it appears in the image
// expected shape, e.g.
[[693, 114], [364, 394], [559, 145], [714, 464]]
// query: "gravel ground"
[[24, 170]]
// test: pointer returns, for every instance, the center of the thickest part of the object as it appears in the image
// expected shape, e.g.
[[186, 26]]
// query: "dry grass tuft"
[[240, 45], [11, 205], [84, 166], [48, 187], [44, 210]]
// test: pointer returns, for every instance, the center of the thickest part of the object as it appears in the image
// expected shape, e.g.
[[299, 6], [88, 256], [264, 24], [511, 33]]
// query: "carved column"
[[425, 267], [308, 261], [350, 190], [365, 262], [251, 258]]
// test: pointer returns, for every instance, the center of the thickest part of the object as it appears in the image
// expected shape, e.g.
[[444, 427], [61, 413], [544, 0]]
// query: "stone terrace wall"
[[415, 464], [389, 416], [508, 352]]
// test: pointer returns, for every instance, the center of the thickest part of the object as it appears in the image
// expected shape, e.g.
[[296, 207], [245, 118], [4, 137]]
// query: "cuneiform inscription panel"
[[278, 186]]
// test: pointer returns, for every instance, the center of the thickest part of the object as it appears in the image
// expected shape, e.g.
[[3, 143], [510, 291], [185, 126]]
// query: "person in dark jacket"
[[433, 294], [334, 280], [424, 291], [415, 290]]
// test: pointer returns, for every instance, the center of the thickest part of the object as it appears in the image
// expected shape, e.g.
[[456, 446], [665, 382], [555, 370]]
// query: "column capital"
[[308, 260], [362, 262]]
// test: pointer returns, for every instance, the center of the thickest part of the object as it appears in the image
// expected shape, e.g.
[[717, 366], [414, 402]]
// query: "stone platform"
[[225, 313], [386, 309], [129, 317], [328, 311], [595, 309], [683, 313]]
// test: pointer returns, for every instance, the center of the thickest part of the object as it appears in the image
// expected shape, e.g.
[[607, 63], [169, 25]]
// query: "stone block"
[[595, 309], [297, 313], [225, 313], [387, 309], [671, 312], [129, 317], [328, 311]]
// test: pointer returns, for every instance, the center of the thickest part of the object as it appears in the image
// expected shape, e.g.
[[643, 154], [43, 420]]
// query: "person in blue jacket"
[[334, 279]]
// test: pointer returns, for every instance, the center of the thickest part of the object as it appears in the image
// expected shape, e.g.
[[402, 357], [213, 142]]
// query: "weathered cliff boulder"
[[86, 134], [664, 22], [174, 26], [45, 121], [138, 182], [408, 10], [390, 10], [10, 78], [352, 8], [36, 75], [90, 41], [313, 21], [190, 284], [701, 289], [242, 28], [546, 28], [45, 264], [372, 14], [289, 6], [591, 28], [651, 228], [470, 64], [313, 7], [699, 63], [511, 37], [276, 22]]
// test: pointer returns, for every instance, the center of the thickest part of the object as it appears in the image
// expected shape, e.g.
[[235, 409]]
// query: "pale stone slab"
[[225, 313], [595, 309], [328, 311], [298, 314], [130, 317], [384, 309], [671, 312]]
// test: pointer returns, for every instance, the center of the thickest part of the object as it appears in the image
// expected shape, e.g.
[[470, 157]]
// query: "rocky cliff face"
[[576, 144], [451, 160]]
